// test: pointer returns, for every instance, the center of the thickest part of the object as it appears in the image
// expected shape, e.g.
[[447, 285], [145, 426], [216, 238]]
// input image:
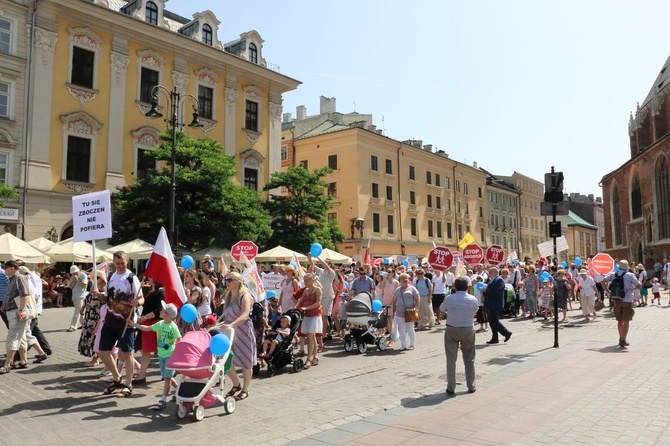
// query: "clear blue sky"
[[514, 85]]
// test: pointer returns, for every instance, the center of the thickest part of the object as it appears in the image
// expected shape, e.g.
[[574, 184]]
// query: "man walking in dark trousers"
[[494, 301]]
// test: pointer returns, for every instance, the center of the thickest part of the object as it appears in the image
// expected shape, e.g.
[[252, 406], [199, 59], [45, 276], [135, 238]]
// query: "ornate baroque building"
[[94, 66], [636, 196]]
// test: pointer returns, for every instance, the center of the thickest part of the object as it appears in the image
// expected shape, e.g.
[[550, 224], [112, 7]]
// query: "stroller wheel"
[[362, 347], [230, 405], [199, 413], [298, 365], [382, 343], [181, 411], [348, 345]]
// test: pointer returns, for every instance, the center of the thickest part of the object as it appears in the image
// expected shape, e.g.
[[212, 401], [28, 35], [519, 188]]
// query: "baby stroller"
[[199, 372], [283, 354], [365, 325]]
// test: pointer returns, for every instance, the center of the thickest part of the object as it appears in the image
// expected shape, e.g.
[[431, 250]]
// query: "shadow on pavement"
[[609, 349], [425, 401]]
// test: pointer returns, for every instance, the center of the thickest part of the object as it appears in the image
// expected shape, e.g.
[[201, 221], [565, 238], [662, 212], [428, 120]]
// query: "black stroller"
[[283, 353], [365, 325]]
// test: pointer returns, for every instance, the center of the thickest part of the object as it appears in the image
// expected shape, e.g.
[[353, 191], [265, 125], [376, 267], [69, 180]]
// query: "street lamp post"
[[176, 100]]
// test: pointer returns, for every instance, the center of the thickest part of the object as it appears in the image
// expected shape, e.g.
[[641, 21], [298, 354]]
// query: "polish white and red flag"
[[163, 269]]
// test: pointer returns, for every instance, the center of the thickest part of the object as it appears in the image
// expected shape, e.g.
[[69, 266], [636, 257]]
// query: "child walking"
[[167, 334], [656, 291]]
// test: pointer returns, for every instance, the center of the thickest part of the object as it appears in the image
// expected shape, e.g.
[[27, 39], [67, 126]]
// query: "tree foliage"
[[300, 213], [210, 208], [7, 193]]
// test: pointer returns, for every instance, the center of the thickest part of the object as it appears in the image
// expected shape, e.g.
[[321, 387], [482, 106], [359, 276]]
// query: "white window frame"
[[82, 125], [85, 39], [284, 153], [10, 97], [254, 94], [144, 138], [152, 60], [12, 34], [8, 172], [207, 78]]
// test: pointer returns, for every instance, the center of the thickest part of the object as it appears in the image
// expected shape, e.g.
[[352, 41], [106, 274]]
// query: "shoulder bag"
[[411, 315]]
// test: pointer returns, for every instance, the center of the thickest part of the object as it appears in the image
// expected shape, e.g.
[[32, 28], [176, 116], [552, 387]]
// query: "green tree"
[[7, 193], [210, 208], [300, 213]]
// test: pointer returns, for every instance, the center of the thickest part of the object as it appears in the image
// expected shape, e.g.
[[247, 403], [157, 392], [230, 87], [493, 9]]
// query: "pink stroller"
[[199, 372]]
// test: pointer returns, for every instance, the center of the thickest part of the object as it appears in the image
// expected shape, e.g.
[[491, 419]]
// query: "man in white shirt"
[[587, 294], [460, 309], [439, 289]]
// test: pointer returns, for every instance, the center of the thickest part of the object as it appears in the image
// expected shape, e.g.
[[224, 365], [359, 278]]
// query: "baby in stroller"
[[276, 337]]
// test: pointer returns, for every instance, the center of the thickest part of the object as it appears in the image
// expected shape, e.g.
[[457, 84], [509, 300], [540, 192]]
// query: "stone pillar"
[[274, 138], [40, 169], [115, 139], [229, 118]]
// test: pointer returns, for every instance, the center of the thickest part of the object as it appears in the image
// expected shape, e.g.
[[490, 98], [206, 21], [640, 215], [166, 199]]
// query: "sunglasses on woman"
[[228, 280]]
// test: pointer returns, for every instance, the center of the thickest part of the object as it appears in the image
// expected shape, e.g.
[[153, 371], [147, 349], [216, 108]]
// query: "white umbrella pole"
[[95, 268]]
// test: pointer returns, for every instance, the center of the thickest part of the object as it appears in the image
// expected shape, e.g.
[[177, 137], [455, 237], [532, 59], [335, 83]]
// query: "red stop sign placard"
[[440, 258], [245, 246], [603, 263], [473, 254], [495, 254]]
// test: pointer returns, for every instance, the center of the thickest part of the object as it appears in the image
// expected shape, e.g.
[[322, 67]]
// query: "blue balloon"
[[377, 305], [270, 294], [516, 262], [479, 286], [405, 263], [189, 313], [219, 345], [616, 268], [578, 261], [386, 261], [544, 275], [187, 262], [316, 249], [346, 284], [564, 265]]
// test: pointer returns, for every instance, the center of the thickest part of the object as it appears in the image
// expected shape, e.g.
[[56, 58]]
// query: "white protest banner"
[[92, 216], [547, 248], [272, 281]]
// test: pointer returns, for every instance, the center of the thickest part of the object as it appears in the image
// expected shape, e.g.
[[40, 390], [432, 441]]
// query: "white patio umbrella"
[[76, 252], [12, 248], [278, 254], [335, 257], [215, 253], [41, 243], [136, 249]]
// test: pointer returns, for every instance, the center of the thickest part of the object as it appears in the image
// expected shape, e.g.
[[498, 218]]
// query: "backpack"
[[510, 295], [617, 291], [256, 315]]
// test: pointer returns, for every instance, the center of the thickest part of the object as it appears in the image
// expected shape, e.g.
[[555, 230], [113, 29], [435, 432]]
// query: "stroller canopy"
[[191, 352], [359, 309]]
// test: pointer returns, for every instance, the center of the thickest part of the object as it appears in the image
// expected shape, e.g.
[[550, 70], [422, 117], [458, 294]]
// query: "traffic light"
[[553, 187]]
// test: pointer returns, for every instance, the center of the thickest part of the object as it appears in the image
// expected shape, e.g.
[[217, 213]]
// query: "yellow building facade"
[[401, 196], [95, 67]]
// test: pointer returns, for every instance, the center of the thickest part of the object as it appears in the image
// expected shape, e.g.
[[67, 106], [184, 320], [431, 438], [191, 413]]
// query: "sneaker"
[[39, 358]]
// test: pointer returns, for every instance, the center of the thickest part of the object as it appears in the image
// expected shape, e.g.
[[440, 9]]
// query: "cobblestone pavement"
[[528, 391]]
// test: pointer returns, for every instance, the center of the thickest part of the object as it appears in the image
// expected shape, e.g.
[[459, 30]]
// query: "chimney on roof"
[[442, 153], [599, 200], [591, 197], [428, 147], [474, 164], [300, 112], [372, 128], [286, 117], [327, 105], [379, 131], [417, 143]]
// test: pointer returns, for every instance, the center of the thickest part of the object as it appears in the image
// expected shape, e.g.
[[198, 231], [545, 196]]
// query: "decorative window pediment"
[[151, 58], [207, 77], [85, 38], [146, 137], [80, 123]]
